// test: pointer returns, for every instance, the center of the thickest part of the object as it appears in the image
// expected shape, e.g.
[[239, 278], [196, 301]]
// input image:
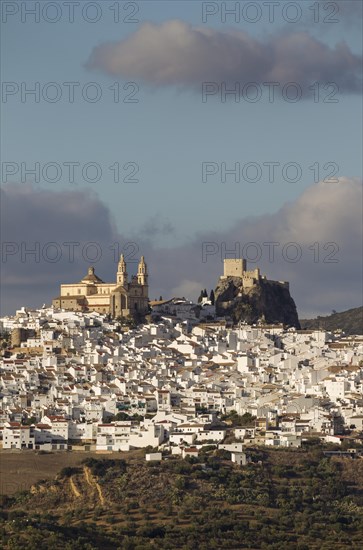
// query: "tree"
[[212, 297], [201, 296], [30, 420]]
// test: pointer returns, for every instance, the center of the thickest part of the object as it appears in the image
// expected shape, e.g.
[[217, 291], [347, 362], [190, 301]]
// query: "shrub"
[[69, 471], [100, 467]]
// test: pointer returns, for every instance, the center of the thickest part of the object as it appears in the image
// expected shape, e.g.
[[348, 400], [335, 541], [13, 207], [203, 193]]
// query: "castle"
[[237, 268], [121, 299]]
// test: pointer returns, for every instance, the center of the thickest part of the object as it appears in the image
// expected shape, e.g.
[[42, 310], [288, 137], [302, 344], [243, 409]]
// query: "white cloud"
[[175, 53]]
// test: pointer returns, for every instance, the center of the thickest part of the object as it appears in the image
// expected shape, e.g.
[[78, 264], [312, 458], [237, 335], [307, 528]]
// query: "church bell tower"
[[142, 275], [121, 272]]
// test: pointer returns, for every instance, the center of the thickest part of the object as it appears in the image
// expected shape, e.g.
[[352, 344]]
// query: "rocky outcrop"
[[268, 301]]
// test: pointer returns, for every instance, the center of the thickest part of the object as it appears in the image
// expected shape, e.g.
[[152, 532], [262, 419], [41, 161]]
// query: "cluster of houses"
[[72, 380]]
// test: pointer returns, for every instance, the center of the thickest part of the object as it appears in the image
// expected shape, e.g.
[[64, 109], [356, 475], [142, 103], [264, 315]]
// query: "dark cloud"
[[155, 226], [349, 12], [33, 219], [324, 213], [325, 16], [175, 53]]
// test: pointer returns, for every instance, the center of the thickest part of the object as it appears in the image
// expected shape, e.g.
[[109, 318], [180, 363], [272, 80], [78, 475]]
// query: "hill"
[[268, 300], [350, 321], [283, 499]]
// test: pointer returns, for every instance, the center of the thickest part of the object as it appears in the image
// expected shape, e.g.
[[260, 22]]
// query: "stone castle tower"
[[248, 278], [238, 268], [121, 299]]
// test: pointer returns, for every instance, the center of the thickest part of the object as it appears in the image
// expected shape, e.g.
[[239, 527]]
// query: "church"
[[120, 299]]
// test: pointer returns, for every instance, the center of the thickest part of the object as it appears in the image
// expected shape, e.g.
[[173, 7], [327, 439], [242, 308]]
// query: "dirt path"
[[93, 483], [74, 488]]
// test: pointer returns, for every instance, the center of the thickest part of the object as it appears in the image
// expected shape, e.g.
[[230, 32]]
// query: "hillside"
[[350, 321], [268, 300], [283, 499]]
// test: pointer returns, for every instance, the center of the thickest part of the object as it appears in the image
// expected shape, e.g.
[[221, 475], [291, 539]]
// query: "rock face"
[[266, 300]]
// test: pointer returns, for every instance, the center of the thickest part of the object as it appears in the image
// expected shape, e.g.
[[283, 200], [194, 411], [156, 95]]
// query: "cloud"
[[155, 226], [325, 223], [47, 222], [175, 53], [324, 227], [349, 12], [323, 16]]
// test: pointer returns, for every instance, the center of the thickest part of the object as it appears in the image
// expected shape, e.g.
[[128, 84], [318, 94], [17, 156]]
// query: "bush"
[[151, 531], [99, 467], [111, 519], [69, 471]]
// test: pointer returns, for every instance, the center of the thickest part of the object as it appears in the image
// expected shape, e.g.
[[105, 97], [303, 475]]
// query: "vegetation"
[[28, 421], [68, 471], [124, 416], [129, 321], [283, 499], [234, 419], [350, 321], [104, 466], [5, 342]]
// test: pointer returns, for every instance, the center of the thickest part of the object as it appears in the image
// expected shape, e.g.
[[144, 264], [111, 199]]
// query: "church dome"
[[91, 277]]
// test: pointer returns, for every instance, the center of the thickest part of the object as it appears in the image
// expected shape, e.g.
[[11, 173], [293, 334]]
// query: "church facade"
[[120, 299]]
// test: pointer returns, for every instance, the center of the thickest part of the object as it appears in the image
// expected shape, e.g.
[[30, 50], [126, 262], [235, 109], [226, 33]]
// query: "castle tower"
[[142, 272], [234, 267], [121, 272]]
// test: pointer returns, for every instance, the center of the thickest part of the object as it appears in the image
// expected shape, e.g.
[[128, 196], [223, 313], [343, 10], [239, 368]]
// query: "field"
[[19, 470]]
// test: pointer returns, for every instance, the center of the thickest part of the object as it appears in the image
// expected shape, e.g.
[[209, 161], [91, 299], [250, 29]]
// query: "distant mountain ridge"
[[350, 321]]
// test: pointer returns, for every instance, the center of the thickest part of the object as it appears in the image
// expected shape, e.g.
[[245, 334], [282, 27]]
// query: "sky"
[[185, 131]]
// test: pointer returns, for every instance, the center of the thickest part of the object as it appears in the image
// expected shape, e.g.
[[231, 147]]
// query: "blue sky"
[[170, 132]]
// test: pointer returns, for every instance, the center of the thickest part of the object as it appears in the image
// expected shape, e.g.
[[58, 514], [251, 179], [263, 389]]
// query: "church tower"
[[121, 272], [142, 272]]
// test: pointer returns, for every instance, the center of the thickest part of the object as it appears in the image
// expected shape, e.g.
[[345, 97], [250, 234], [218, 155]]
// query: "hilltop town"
[[76, 380], [104, 369]]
